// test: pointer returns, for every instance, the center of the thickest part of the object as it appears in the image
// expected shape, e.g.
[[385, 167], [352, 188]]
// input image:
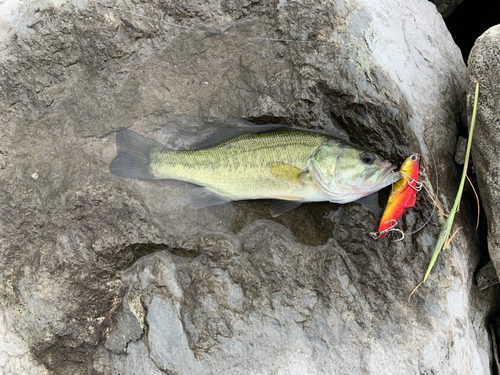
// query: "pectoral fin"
[[287, 172], [371, 203]]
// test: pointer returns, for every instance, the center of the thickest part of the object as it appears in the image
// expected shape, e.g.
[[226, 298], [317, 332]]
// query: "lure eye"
[[413, 157], [367, 158]]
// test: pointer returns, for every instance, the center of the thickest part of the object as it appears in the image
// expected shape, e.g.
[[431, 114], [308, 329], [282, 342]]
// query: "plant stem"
[[445, 231]]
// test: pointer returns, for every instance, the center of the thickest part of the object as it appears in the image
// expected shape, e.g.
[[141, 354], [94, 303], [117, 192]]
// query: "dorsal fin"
[[227, 132]]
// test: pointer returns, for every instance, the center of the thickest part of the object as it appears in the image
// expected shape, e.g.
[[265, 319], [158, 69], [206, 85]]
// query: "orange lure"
[[403, 194]]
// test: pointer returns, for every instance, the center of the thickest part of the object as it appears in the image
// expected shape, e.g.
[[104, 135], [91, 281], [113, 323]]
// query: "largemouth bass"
[[291, 165]]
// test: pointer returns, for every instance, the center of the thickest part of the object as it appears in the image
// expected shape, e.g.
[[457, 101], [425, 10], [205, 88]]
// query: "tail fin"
[[133, 158]]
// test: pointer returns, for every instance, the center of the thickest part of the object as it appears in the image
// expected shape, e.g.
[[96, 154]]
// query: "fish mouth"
[[388, 176]]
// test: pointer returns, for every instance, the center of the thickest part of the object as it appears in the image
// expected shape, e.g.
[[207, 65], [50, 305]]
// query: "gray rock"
[[136, 361], [487, 276], [109, 275], [127, 327], [461, 150], [305, 310], [15, 356], [167, 341], [484, 67], [446, 7]]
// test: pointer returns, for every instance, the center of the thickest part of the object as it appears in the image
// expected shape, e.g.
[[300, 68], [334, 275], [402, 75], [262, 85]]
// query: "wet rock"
[[98, 272], [484, 67]]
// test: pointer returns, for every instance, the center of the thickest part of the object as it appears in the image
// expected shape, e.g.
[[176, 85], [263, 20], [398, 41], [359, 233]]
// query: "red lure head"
[[409, 170]]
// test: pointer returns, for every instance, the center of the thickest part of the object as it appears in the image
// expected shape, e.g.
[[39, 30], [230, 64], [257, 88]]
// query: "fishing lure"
[[403, 195]]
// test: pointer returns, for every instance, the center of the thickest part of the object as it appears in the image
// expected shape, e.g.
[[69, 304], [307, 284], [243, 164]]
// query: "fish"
[[289, 165], [403, 195]]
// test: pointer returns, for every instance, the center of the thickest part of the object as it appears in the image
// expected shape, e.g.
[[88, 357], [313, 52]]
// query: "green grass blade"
[[445, 231]]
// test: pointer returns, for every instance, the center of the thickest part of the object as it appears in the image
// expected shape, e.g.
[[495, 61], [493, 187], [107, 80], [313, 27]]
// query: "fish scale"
[[244, 160]]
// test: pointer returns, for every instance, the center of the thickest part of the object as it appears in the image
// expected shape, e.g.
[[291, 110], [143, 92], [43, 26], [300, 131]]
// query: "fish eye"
[[367, 158], [413, 157]]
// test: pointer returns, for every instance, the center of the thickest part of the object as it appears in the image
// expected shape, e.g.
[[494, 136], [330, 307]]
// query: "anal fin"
[[202, 197], [280, 207]]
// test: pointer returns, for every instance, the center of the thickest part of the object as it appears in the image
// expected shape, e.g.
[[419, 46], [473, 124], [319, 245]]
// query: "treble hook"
[[376, 235], [400, 231]]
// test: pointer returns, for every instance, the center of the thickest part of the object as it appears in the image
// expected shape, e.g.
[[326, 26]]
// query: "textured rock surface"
[[227, 289], [484, 67], [446, 7]]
